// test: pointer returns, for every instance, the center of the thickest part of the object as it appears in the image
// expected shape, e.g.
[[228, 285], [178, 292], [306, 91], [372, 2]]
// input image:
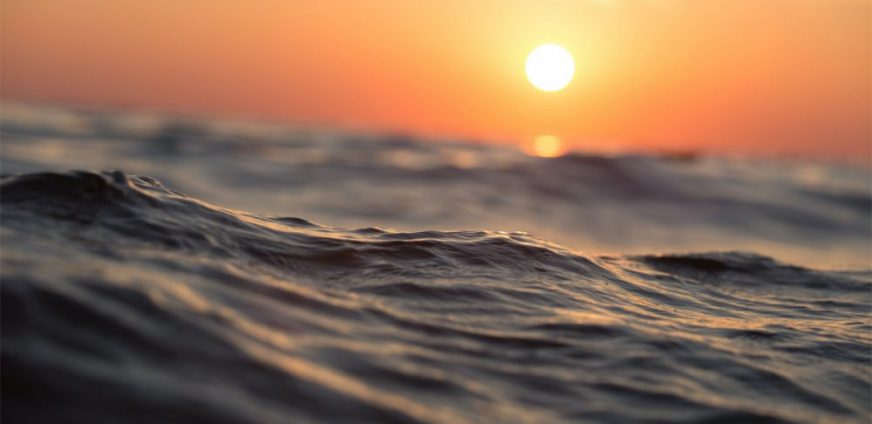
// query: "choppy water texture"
[[339, 288]]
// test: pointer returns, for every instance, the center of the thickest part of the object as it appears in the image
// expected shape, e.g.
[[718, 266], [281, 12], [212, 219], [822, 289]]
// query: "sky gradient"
[[761, 77]]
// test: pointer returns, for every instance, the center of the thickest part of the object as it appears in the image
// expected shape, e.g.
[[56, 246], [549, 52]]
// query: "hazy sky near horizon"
[[745, 76]]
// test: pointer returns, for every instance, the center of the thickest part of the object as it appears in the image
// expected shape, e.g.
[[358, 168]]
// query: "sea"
[[160, 268]]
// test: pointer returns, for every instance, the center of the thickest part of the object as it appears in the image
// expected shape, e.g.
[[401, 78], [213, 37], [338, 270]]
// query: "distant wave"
[[126, 301], [813, 214]]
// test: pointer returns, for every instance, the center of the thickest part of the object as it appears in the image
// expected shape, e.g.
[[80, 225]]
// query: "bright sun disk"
[[550, 67]]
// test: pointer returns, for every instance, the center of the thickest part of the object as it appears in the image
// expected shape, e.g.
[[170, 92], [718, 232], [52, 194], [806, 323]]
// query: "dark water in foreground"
[[125, 301]]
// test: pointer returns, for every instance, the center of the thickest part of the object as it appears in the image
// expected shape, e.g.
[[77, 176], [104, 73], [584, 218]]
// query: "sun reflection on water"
[[546, 146]]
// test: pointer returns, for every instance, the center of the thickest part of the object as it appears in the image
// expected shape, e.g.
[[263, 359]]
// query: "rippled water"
[[363, 279]]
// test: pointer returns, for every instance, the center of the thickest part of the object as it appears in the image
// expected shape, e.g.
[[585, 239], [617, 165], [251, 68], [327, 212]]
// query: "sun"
[[550, 67]]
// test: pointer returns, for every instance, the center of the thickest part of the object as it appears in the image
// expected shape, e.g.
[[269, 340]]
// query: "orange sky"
[[744, 76]]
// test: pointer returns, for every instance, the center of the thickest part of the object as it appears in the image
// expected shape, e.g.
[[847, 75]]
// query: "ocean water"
[[166, 269]]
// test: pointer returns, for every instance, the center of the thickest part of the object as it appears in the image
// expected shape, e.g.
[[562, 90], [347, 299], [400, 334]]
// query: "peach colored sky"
[[740, 76]]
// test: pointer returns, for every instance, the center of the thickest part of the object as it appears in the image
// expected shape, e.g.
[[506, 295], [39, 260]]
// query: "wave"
[[124, 300], [814, 214]]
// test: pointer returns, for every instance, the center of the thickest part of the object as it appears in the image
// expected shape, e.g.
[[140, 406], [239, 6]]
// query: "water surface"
[[253, 273]]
